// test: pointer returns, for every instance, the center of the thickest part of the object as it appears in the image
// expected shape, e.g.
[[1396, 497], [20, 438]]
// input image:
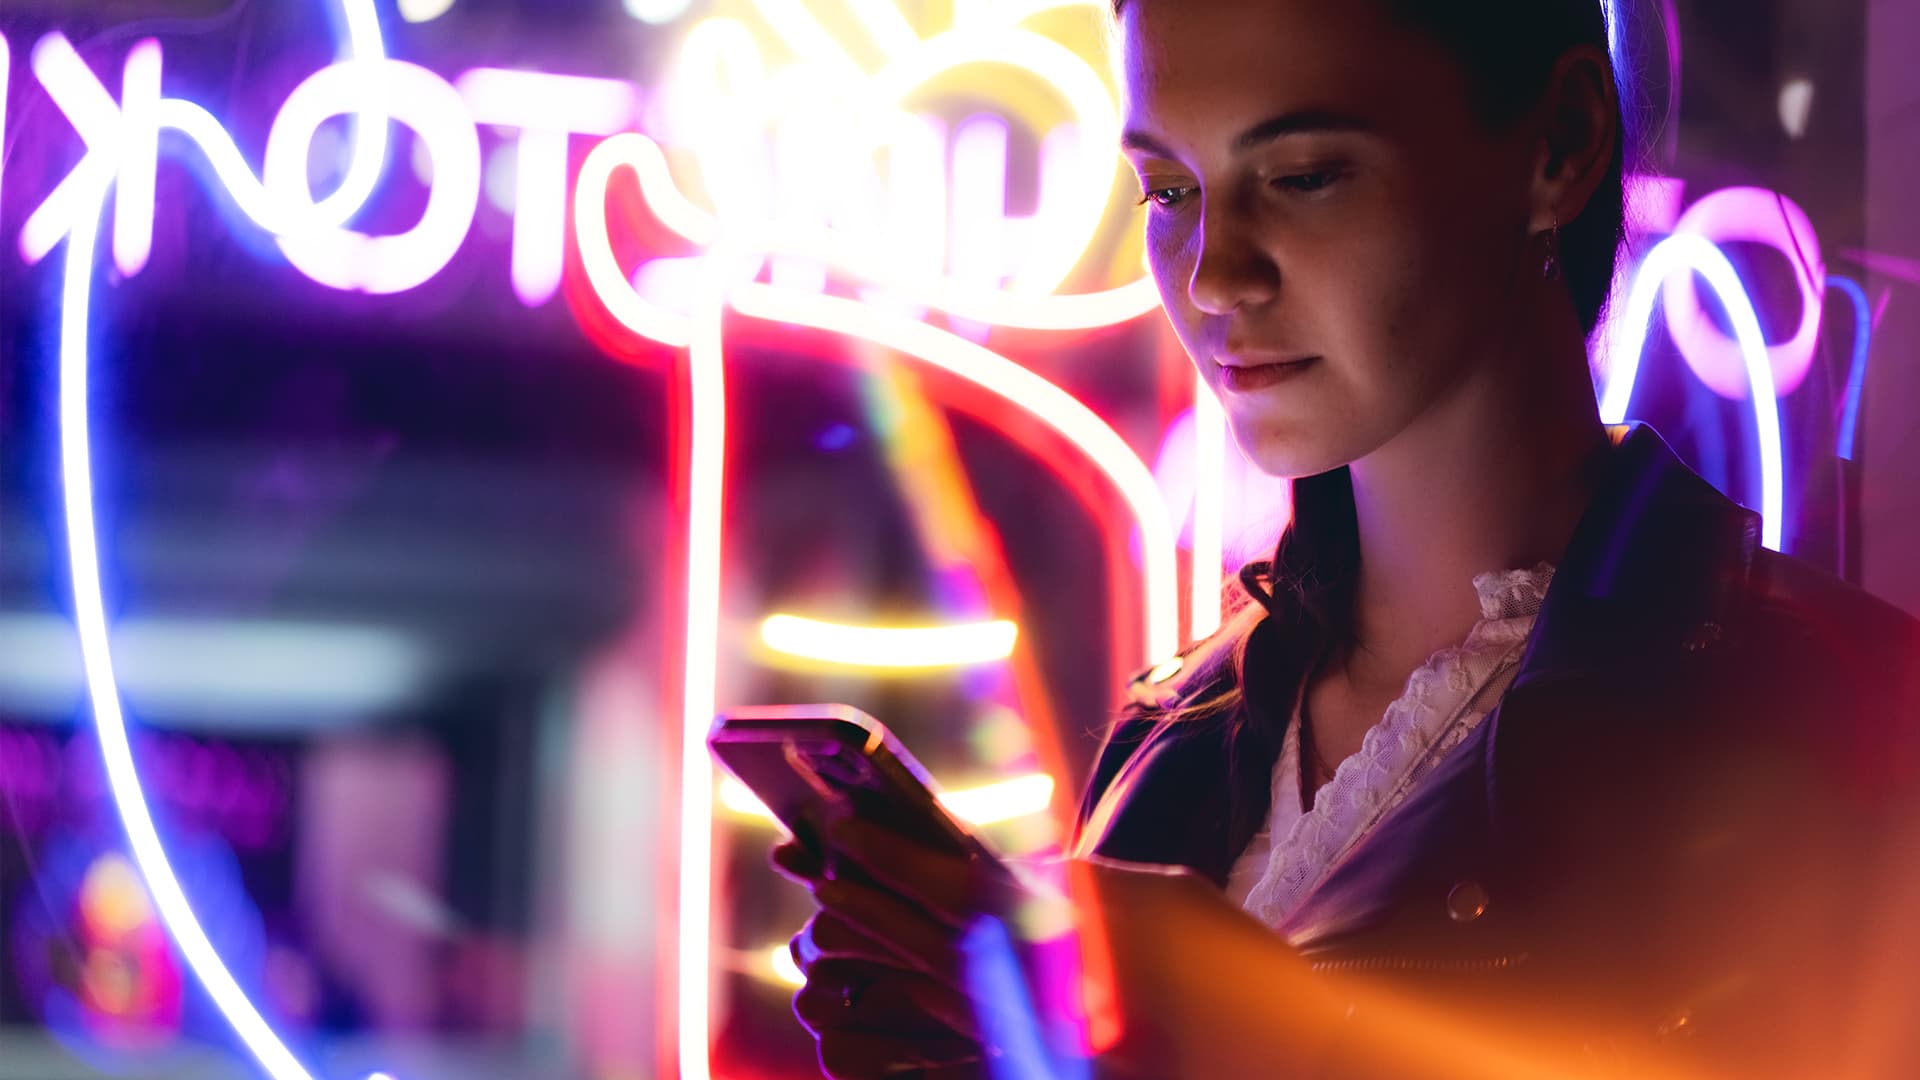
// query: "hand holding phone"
[[812, 764]]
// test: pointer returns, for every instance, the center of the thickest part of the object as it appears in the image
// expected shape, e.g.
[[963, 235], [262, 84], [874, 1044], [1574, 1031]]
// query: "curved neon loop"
[[1761, 216], [83, 560], [342, 258], [897, 647], [1686, 253], [369, 119], [1043, 400], [610, 284], [90, 620], [1857, 371]]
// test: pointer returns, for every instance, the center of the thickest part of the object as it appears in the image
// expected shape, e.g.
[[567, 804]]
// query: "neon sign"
[[928, 232]]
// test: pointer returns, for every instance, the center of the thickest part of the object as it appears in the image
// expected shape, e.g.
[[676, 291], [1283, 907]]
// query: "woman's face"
[[1334, 231]]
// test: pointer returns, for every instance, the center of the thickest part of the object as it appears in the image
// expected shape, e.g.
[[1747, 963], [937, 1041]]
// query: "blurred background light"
[[889, 647], [255, 673]]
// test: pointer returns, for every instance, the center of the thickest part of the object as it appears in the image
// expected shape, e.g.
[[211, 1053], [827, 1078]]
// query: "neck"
[[1494, 477]]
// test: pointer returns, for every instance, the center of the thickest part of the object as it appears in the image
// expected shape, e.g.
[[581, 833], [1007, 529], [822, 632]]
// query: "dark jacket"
[[1688, 829]]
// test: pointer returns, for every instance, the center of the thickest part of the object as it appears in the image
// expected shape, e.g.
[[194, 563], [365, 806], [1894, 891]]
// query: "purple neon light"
[[121, 145], [5, 64], [545, 109], [1761, 216], [1688, 254], [1857, 371], [90, 188]]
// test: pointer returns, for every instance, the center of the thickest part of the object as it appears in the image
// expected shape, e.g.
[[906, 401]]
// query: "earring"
[[1550, 266]]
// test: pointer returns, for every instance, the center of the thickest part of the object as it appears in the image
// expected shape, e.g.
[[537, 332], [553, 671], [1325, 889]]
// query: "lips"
[[1244, 373], [1253, 358]]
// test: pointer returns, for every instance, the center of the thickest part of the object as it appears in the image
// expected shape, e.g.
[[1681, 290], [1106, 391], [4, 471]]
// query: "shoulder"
[[1176, 691], [1198, 672], [1846, 660], [1785, 588], [1840, 634]]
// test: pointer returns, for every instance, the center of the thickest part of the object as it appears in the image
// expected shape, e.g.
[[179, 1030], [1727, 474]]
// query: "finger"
[[859, 997], [832, 936], [907, 932], [952, 888], [827, 937], [797, 863], [855, 1056]]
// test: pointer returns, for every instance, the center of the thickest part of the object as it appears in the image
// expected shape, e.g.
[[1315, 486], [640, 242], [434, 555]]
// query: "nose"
[[1231, 271]]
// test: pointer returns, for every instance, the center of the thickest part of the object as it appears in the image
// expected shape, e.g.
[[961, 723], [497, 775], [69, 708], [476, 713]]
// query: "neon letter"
[[113, 146], [546, 109], [345, 259]]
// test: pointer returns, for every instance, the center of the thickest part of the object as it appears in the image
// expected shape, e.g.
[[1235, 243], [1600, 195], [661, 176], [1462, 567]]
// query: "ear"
[[1579, 126]]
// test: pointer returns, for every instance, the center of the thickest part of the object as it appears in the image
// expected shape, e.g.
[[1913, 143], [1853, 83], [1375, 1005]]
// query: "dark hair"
[[1509, 49]]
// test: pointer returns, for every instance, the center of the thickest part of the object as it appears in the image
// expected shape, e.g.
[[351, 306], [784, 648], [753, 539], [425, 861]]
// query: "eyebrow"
[[1300, 122]]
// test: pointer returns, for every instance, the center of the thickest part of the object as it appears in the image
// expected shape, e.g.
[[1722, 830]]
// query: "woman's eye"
[[1165, 197], [1309, 183]]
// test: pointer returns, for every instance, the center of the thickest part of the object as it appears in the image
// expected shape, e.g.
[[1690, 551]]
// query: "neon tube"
[[1856, 371], [342, 258], [91, 623], [707, 478], [1683, 254], [610, 284], [978, 192], [88, 185], [1207, 574], [1053, 406], [546, 109], [916, 648], [5, 63], [1057, 245], [1006, 800], [92, 112], [120, 143], [420, 11], [293, 212], [1759, 216], [139, 159]]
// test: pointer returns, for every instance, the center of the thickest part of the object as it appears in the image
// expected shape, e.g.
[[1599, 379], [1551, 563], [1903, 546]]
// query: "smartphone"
[[810, 762]]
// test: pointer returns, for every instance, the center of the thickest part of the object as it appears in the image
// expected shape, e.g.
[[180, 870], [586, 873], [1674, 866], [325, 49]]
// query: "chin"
[[1293, 453]]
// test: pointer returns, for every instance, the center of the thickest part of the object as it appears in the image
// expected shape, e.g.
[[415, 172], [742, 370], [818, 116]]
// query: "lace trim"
[[1440, 707]]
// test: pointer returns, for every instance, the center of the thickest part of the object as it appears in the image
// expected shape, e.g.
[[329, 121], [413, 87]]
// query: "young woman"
[[1521, 757]]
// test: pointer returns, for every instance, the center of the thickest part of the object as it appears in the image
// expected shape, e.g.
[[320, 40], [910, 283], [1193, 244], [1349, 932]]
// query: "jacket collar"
[[1655, 566]]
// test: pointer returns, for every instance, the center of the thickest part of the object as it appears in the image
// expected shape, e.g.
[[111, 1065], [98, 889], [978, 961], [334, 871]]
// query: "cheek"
[[1167, 257], [1170, 261]]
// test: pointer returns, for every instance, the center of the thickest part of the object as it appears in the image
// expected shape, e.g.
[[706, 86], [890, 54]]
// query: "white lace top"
[[1444, 701]]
